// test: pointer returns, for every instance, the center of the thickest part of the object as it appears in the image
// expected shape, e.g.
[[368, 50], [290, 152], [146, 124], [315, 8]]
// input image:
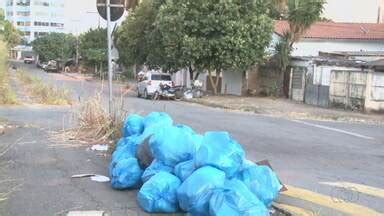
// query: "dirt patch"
[[286, 108]]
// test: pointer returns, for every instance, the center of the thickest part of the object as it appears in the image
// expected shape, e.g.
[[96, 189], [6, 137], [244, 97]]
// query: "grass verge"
[[7, 96], [44, 93]]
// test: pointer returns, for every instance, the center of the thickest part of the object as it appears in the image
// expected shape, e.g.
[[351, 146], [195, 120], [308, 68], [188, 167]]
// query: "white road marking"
[[86, 213], [334, 129]]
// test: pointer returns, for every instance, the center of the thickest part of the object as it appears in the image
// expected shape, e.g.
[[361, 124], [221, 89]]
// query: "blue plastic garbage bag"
[[133, 125], [158, 194], [126, 174], [186, 128], [236, 200], [196, 191], [155, 167], [197, 140], [184, 169], [172, 145], [157, 118], [219, 150], [125, 148], [262, 181], [153, 122]]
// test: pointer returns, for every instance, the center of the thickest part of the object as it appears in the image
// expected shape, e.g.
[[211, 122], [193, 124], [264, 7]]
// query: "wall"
[[375, 92], [232, 83], [312, 47]]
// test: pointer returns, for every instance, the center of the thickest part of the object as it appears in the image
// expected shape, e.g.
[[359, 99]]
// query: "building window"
[[19, 23], [27, 33], [57, 25], [23, 3], [41, 13], [23, 13], [42, 3], [27, 23], [39, 34], [9, 13], [10, 3], [57, 15], [41, 23]]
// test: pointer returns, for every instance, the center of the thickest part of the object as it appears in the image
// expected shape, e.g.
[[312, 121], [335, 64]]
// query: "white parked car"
[[29, 60], [149, 83]]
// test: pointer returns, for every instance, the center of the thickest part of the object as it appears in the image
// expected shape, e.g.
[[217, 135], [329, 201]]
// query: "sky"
[[81, 14], [352, 10]]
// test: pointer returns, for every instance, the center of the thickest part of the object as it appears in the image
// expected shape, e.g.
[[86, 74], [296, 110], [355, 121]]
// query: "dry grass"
[[44, 93], [95, 123], [7, 96]]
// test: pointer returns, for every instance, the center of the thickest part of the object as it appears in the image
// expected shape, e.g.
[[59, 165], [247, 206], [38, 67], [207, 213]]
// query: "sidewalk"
[[279, 107]]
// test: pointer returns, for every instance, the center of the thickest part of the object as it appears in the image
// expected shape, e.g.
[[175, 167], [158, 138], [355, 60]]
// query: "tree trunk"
[[214, 83], [191, 71], [197, 76], [134, 71]]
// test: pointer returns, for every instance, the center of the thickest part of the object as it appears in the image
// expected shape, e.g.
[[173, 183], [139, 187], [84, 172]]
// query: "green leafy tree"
[[10, 34], [300, 14], [131, 4], [55, 46], [215, 35], [94, 47], [136, 39]]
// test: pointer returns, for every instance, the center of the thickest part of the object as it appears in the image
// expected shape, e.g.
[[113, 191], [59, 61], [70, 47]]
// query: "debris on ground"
[[93, 177], [100, 178], [177, 170], [99, 147]]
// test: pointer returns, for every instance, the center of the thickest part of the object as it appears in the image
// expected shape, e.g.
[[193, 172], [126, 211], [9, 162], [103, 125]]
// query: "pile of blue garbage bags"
[[179, 170]]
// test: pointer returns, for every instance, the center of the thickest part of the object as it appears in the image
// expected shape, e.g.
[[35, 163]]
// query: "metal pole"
[[108, 4]]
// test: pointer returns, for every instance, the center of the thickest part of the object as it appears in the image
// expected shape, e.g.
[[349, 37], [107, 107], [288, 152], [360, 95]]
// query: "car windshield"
[[161, 77]]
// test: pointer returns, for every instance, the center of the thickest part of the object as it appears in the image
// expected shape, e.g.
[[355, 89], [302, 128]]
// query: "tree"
[[55, 46], [215, 35], [137, 39], [94, 47], [300, 14], [131, 4], [10, 34]]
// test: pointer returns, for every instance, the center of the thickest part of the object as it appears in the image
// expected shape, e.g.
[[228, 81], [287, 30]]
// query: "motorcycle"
[[165, 91]]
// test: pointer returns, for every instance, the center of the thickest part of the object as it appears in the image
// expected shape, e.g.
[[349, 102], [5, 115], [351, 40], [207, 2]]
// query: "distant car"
[[149, 83], [40, 64], [51, 66], [29, 60]]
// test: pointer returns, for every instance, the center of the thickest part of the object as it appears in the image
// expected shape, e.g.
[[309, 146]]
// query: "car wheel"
[[145, 94]]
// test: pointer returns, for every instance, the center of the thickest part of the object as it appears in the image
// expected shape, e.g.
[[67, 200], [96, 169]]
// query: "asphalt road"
[[332, 168]]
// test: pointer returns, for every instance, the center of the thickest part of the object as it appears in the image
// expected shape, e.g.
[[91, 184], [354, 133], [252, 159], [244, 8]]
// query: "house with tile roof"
[[335, 37]]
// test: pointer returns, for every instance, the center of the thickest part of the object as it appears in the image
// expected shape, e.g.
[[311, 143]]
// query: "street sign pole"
[[108, 4], [110, 10]]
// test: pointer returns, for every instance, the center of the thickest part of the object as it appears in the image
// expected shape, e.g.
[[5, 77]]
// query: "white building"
[[35, 17], [334, 37]]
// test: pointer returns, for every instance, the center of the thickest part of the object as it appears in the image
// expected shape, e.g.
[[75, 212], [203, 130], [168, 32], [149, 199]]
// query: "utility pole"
[[111, 13], [109, 35]]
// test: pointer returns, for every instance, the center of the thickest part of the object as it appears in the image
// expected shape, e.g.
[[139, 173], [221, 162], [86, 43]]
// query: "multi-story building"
[[36, 17]]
